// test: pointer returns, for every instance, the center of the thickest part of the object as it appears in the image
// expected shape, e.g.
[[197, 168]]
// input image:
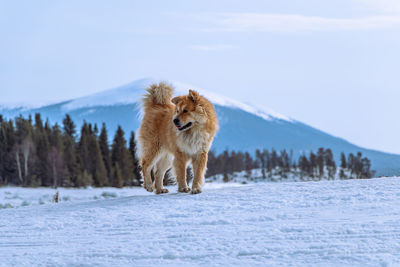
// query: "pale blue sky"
[[332, 64]]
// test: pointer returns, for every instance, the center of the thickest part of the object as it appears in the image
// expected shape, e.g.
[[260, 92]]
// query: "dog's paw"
[[148, 187], [184, 189], [196, 190], [162, 191]]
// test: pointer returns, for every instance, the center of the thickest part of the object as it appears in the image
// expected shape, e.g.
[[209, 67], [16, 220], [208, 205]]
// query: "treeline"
[[34, 153], [281, 164]]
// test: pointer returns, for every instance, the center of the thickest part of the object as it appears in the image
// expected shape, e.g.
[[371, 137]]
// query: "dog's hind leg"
[[148, 159], [162, 165]]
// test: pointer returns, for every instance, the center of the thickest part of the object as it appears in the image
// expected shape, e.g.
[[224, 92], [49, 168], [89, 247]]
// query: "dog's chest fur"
[[194, 142]]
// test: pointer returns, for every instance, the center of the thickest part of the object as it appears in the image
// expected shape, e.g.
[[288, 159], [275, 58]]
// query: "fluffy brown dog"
[[176, 130]]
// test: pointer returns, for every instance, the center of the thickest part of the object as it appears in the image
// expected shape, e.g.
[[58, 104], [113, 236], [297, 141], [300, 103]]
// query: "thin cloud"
[[261, 22], [211, 47], [385, 6]]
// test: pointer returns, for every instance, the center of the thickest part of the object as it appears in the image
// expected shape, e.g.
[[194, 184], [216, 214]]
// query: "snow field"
[[336, 223]]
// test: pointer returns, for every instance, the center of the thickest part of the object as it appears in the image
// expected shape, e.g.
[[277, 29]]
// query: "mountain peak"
[[125, 94], [132, 93]]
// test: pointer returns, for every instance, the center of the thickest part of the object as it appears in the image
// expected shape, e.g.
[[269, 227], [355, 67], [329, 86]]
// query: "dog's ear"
[[194, 96], [176, 100]]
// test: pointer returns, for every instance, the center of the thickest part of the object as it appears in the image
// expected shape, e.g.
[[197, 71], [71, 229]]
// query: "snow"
[[327, 223], [256, 176], [22, 105], [19, 197], [130, 93], [126, 94], [262, 112]]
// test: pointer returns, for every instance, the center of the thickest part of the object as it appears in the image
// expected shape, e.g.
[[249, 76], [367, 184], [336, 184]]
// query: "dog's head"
[[189, 111]]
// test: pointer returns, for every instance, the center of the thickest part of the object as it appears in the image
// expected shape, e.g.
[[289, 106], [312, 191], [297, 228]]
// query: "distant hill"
[[242, 127]]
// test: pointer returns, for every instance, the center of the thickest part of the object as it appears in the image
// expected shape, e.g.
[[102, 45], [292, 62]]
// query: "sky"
[[331, 64]]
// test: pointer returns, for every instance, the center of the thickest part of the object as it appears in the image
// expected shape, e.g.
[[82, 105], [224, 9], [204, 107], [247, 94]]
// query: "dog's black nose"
[[177, 122]]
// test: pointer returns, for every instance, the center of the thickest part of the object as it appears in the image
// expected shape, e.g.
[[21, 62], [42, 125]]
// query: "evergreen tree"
[[120, 155], [47, 127], [285, 165], [358, 166], [69, 126], [105, 149], [292, 161], [3, 152], [248, 163], [320, 162], [55, 156], [84, 179], [42, 150], [366, 168], [83, 148], [9, 171], [117, 176], [330, 163], [225, 165], [350, 164], [261, 159], [343, 166], [237, 161], [267, 157], [95, 129], [313, 166], [100, 173], [230, 162], [274, 159], [72, 168], [95, 161], [55, 138], [343, 163], [211, 164], [304, 166]]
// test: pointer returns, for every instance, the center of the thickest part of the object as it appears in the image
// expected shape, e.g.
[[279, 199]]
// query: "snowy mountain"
[[242, 126]]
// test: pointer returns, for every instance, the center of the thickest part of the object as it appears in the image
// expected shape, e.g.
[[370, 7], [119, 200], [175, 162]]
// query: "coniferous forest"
[[35, 153], [314, 166]]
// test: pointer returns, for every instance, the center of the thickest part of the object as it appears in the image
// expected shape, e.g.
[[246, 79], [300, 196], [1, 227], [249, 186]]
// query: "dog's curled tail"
[[160, 93]]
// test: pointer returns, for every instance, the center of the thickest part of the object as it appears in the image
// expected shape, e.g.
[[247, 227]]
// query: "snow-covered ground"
[[18, 197], [256, 176], [327, 223]]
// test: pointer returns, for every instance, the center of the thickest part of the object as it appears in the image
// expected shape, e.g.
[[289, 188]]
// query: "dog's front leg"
[[199, 168], [180, 162]]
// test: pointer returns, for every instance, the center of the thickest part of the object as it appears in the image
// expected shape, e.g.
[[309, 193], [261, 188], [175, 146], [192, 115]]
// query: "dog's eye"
[[184, 111]]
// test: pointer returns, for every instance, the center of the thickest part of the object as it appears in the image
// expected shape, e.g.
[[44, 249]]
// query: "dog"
[[174, 132]]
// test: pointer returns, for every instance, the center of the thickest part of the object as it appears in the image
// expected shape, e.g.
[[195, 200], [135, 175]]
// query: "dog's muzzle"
[[184, 127]]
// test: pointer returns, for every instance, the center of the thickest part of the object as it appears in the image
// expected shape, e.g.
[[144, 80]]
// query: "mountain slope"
[[242, 127]]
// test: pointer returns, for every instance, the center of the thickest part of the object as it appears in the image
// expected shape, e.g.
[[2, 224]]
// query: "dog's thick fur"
[[175, 132]]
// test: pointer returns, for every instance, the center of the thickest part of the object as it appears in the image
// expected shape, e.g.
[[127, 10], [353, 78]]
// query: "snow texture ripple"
[[339, 223]]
